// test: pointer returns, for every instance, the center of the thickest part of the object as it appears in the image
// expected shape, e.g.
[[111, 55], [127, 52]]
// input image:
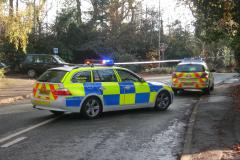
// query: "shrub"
[[2, 72], [128, 58], [162, 70]]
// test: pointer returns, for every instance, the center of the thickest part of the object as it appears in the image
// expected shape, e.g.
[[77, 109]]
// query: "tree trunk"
[[10, 7], [95, 10], [79, 12]]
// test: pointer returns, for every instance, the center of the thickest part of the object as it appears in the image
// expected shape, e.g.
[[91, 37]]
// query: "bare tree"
[[79, 12]]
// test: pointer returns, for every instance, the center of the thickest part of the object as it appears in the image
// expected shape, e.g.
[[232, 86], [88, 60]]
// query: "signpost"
[[163, 47], [55, 50]]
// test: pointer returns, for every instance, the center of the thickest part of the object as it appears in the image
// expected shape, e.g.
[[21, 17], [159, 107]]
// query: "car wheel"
[[163, 101], [57, 112], [206, 90], [31, 73], [91, 108], [175, 91]]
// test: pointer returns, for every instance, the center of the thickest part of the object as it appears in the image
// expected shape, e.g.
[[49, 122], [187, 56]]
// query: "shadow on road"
[[190, 93], [134, 113]]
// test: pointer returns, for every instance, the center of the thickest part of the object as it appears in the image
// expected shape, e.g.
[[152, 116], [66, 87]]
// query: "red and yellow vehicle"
[[192, 74]]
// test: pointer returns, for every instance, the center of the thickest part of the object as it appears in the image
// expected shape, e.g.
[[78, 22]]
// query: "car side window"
[[38, 59], [127, 76], [106, 75], [49, 60], [29, 59], [82, 77]]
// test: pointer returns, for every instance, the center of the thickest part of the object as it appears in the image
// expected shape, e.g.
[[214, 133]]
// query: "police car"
[[192, 73], [93, 89]]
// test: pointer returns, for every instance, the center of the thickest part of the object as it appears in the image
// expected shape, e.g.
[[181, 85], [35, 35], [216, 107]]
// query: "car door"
[[81, 85], [133, 88], [106, 81], [211, 78]]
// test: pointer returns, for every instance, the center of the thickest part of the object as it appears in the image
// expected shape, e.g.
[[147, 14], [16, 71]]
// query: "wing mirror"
[[142, 80]]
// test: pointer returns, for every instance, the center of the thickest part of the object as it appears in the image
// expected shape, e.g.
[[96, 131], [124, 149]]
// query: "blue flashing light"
[[104, 62], [108, 62]]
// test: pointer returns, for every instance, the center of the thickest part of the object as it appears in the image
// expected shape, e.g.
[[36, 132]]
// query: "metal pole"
[[159, 31], [34, 17]]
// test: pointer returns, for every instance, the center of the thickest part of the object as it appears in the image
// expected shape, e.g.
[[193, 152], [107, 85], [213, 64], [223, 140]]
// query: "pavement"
[[213, 130], [14, 88]]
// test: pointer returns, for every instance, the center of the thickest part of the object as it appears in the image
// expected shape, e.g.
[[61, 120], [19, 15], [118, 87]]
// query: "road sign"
[[55, 50], [163, 47]]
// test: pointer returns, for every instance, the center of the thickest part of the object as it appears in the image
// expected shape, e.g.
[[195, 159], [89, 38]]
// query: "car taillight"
[[204, 75], [34, 90], [62, 92], [174, 75]]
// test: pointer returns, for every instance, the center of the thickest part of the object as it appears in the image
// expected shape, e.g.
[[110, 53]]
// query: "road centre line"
[[13, 142], [28, 129]]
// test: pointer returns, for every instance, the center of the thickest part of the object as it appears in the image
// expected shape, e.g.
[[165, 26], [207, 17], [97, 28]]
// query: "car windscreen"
[[2, 64], [52, 76], [59, 59], [190, 68]]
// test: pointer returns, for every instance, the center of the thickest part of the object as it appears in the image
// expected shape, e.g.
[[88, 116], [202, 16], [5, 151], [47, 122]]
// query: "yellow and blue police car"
[[93, 89], [193, 73]]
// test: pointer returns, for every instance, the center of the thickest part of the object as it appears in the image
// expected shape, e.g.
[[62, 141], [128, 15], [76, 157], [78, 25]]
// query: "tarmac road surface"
[[29, 134]]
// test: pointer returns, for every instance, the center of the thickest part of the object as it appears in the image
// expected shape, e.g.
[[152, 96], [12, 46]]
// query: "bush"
[[2, 72], [128, 58], [162, 70]]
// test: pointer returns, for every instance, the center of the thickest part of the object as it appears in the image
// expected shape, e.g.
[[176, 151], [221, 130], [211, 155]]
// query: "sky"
[[170, 9]]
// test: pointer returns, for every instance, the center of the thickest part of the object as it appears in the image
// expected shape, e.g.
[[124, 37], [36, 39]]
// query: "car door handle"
[[102, 88], [127, 87]]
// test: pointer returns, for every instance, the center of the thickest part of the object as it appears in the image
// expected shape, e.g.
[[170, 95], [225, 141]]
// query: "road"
[[29, 134]]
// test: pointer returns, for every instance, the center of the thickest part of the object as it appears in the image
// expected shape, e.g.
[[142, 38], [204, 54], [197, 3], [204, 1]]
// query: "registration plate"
[[188, 79], [187, 84], [41, 102]]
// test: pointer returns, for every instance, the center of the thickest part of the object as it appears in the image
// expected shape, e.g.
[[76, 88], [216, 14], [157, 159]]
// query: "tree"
[[217, 20]]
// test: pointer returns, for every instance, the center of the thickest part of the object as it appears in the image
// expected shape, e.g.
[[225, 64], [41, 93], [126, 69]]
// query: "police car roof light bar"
[[94, 62]]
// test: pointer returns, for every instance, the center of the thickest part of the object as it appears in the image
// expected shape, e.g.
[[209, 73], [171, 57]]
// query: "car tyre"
[[175, 91], [206, 91], [57, 113], [163, 101], [91, 108], [31, 73]]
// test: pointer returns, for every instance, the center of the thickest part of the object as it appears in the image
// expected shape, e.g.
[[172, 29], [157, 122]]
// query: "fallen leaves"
[[236, 95], [236, 147]]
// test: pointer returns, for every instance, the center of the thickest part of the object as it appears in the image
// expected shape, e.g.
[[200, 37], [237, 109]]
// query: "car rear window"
[[53, 76], [190, 68]]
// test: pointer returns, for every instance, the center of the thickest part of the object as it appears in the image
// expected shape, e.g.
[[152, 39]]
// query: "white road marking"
[[13, 142], [28, 129]]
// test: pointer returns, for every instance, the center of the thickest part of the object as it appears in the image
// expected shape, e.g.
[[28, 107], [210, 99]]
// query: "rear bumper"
[[190, 86], [56, 105], [49, 108]]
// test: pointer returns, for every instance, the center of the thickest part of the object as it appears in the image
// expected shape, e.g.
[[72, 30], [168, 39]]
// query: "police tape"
[[147, 62]]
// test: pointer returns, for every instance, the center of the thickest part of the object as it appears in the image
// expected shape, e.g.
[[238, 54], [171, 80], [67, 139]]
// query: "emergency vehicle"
[[91, 89], [192, 73]]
